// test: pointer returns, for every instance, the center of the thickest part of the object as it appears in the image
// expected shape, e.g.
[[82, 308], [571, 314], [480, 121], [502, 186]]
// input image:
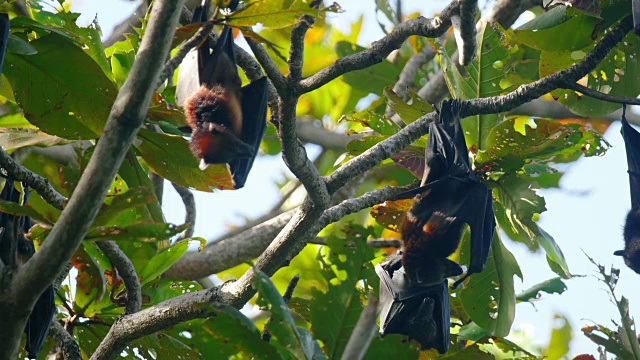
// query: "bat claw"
[[203, 164]]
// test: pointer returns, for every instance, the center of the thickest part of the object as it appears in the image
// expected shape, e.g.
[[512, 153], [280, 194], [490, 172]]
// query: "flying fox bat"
[[420, 312], [227, 121], [15, 250], [631, 233], [4, 36], [449, 197]]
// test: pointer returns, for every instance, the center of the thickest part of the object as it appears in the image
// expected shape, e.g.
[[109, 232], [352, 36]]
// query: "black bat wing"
[[219, 66], [254, 124], [632, 145], [420, 312], [39, 322], [4, 37]]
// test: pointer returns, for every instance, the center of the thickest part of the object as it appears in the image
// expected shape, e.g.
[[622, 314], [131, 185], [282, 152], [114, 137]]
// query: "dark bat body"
[[227, 121], [631, 234], [4, 37], [420, 312], [15, 250], [449, 197]]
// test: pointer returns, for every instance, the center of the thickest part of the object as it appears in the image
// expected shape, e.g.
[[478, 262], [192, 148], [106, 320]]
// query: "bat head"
[[213, 147]]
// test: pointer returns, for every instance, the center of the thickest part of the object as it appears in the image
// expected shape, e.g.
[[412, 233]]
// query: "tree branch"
[[363, 332], [383, 47], [36, 182], [126, 117], [125, 268], [601, 96], [65, 343], [228, 252], [190, 207]]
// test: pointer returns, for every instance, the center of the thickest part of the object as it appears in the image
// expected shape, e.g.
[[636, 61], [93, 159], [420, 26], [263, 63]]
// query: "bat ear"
[[619, 253]]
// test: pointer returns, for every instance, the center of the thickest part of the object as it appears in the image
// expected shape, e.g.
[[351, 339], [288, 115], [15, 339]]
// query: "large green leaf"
[[618, 75], [61, 89], [489, 74], [124, 203], [300, 344], [135, 176], [516, 207], [489, 297], [169, 156], [561, 28], [372, 79], [272, 14], [141, 231], [551, 286], [515, 141], [160, 263], [17, 138], [335, 313]]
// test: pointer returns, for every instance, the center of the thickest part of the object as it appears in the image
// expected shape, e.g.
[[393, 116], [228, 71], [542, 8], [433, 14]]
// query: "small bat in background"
[[226, 121], [4, 37], [15, 250], [449, 196], [420, 312], [631, 233]]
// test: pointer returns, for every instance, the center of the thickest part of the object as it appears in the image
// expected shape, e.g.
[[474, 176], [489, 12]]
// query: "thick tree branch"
[[296, 51], [273, 73], [125, 268], [65, 344], [229, 252], [126, 117], [155, 318], [464, 29], [36, 182], [383, 47]]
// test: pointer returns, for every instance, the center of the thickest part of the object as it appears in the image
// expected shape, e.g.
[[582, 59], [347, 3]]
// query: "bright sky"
[[585, 215]]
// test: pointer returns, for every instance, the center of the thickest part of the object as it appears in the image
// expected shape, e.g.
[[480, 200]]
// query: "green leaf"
[[61, 89], [91, 283], [335, 313], [516, 206], [160, 346], [483, 79], [489, 297], [618, 75], [551, 286], [407, 112], [12, 208], [135, 176], [273, 14], [372, 79], [298, 343], [15, 45], [169, 156], [519, 139], [125, 202], [160, 263], [141, 231], [17, 138], [546, 32], [560, 338], [392, 347]]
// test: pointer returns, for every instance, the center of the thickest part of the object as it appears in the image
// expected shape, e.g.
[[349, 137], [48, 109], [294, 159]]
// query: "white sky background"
[[586, 214]]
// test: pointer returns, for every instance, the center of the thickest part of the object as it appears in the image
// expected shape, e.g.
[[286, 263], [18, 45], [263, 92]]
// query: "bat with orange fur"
[[227, 121]]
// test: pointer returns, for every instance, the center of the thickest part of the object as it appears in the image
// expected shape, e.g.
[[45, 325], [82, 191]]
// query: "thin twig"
[[125, 268], [601, 96], [190, 207]]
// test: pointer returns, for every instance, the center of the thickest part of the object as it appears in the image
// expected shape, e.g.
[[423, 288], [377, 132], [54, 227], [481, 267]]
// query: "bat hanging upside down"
[[631, 233], [449, 197], [226, 121]]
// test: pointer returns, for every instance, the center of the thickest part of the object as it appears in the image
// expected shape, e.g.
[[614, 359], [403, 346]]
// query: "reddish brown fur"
[[217, 106]]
